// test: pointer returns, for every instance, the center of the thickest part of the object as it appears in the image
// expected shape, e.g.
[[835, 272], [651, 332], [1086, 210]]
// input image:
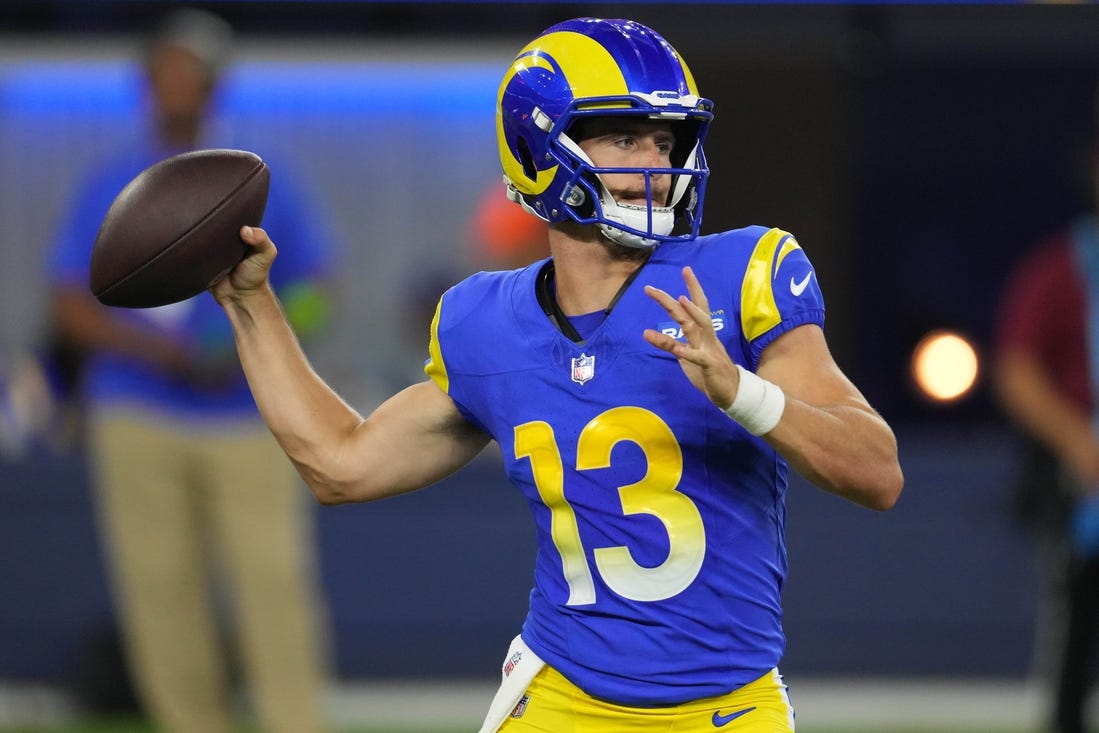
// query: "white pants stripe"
[[519, 668]]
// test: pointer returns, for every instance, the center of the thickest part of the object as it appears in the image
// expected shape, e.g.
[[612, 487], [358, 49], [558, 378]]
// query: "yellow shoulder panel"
[[758, 310], [435, 367]]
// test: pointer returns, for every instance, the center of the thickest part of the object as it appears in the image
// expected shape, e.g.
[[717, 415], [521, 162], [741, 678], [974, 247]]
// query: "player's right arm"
[[413, 439]]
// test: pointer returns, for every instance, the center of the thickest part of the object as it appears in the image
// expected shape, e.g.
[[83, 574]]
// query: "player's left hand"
[[701, 355]]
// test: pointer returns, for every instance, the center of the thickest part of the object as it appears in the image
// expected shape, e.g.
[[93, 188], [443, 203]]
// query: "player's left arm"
[[827, 430]]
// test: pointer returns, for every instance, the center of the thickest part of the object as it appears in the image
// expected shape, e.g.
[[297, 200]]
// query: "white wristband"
[[758, 404]]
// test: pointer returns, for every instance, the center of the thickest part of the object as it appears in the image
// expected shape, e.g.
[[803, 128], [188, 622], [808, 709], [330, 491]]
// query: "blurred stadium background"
[[915, 150]]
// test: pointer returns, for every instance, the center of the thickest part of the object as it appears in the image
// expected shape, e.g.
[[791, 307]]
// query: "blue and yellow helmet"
[[593, 67]]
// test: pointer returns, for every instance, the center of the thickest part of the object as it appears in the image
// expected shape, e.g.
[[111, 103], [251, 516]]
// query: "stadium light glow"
[[944, 366]]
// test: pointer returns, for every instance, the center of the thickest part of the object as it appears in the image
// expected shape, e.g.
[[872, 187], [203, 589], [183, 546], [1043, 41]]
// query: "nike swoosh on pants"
[[720, 720]]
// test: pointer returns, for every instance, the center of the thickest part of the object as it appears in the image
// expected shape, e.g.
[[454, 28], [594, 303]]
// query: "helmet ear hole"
[[586, 207], [526, 159]]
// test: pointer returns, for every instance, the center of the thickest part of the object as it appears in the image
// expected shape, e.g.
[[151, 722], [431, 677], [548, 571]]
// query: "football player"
[[648, 387]]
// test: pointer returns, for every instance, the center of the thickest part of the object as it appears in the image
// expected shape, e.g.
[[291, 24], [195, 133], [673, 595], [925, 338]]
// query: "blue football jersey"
[[660, 521]]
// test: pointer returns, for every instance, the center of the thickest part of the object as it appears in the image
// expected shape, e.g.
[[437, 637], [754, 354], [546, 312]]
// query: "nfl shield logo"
[[520, 707], [583, 368]]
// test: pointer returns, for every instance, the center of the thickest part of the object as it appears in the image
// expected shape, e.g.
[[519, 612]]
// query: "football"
[[174, 230]]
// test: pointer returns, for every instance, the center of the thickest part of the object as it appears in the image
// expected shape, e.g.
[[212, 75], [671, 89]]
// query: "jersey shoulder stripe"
[[759, 310], [435, 367]]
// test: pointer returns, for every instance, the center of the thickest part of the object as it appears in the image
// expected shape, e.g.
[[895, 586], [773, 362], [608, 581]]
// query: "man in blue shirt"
[[191, 488]]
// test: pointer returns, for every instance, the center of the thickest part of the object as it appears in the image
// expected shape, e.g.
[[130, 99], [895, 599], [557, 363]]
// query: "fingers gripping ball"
[[174, 230]]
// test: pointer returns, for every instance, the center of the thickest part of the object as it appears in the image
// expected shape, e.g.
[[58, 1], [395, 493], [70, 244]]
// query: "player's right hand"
[[251, 274]]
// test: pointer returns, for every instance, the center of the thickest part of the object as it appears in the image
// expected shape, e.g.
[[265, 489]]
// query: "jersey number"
[[655, 494]]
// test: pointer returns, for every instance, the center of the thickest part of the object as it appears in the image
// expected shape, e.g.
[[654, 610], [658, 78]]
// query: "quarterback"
[[649, 388]]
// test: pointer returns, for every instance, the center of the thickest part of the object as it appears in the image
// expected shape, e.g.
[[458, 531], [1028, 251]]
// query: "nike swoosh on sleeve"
[[797, 288]]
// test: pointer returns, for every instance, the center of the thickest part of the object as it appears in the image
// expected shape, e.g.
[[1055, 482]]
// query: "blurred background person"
[[199, 510], [1047, 375]]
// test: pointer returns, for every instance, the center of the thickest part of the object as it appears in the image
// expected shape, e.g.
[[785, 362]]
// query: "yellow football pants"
[[552, 704]]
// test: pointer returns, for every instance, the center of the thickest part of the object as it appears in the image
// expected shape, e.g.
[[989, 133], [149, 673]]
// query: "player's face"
[[623, 142]]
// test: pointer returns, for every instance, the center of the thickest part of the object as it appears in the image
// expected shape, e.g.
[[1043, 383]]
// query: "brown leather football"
[[174, 230]]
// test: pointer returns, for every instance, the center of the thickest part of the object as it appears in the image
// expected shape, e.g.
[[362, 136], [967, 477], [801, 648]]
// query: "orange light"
[[944, 366]]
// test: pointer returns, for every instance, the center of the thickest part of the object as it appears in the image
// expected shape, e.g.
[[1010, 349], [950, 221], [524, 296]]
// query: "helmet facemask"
[[588, 200]]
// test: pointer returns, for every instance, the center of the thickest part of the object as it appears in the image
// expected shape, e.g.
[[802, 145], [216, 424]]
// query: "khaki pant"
[[186, 510]]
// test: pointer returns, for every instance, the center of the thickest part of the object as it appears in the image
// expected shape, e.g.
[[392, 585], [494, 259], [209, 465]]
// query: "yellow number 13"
[[655, 494]]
